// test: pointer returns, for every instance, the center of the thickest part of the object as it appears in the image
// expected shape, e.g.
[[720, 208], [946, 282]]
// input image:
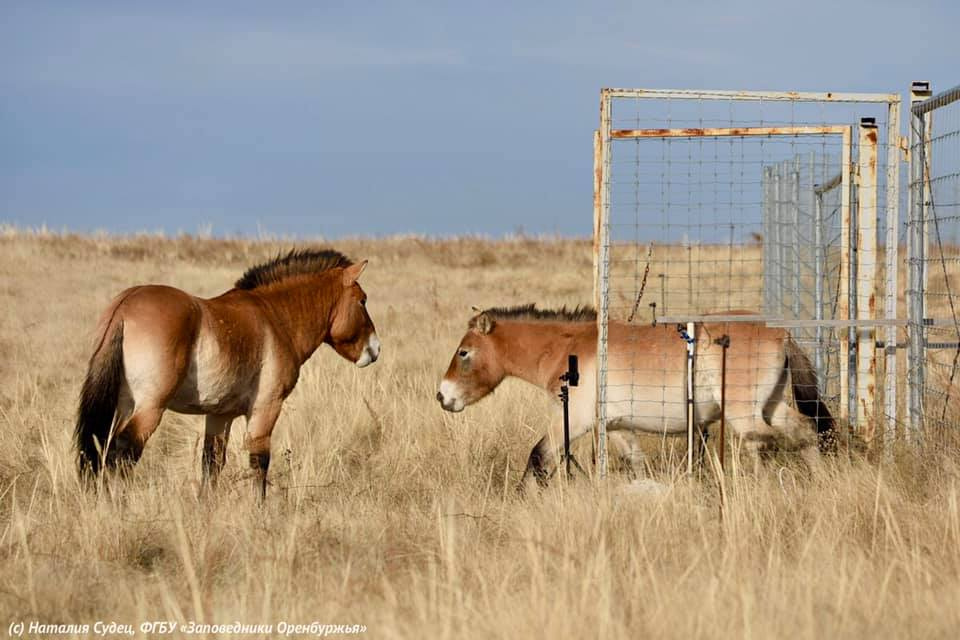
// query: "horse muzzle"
[[371, 351], [448, 397]]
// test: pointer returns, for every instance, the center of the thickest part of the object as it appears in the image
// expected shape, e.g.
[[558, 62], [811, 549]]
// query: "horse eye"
[[363, 302], [462, 353]]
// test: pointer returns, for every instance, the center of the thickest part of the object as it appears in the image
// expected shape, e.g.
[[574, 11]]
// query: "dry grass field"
[[387, 512]]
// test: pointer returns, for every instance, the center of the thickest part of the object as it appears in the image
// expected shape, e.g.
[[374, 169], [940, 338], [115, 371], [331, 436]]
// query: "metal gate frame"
[[860, 330], [923, 107]]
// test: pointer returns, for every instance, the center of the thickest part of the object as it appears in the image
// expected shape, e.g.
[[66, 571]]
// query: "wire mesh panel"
[[719, 202], [934, 231], [801, 254]]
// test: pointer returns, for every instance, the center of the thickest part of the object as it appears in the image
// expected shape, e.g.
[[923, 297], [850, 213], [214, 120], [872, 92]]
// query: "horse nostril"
[[439, 397]]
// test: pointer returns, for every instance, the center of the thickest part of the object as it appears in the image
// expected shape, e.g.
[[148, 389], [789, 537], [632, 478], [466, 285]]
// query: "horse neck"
[[302, 311], [536, 352]]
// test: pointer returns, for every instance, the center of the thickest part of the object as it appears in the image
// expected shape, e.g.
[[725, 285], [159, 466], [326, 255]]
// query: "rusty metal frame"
[[601, 159], [895, 143], [599, 253], [866, 278], [867, 354], [843, 298], [627, 134]]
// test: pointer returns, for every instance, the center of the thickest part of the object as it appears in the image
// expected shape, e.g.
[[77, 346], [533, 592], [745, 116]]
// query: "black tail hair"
[[98, 404], [806, 393]]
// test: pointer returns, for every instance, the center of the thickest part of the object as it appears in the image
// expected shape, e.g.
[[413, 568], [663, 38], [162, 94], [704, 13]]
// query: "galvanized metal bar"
[[926, 121], [795, 96], [626, 134], [866, 279], [843, 303], [942, 99], [819, 267], [603, 258], [778, 234], [795, 234], [774, 321], [691, 400], [890, 422], [597, 262], [767, 244], [916, 351], [837, 324], [597, 218]]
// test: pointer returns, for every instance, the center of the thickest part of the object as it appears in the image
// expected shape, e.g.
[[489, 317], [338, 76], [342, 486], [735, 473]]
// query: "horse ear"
[[483, 324], [476, 309], [351, 273]]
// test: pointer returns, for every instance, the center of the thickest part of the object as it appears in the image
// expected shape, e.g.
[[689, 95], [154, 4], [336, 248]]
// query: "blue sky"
[[370, 118]]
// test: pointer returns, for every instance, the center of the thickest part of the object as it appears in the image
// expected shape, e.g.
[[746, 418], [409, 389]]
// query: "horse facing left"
[[238, 354]]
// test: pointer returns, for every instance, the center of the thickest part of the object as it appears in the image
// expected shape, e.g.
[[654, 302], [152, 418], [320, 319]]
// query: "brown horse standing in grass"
[[646, 379], [238, 354]]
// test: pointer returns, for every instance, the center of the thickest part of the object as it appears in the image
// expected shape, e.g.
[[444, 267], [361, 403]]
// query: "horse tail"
[[806, 393], [98, 401]]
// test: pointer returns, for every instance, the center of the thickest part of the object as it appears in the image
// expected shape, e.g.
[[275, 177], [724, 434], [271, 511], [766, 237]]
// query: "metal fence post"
[[866, 278], [843, 302], [892, 266], [602, 248], [795, 234], [778, 230], [767, 238], [916, 356], [819, 260]]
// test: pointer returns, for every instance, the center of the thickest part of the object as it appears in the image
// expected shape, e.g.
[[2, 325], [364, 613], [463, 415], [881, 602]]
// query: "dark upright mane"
[[295, 263], [530, 312]]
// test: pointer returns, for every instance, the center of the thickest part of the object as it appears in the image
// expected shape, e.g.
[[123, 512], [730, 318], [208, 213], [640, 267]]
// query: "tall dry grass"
[[387, 512]]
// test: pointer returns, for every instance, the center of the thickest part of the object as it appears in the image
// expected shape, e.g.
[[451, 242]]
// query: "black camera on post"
[[572, 376]]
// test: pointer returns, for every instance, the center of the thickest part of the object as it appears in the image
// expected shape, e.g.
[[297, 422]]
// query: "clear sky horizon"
[[343, 119]]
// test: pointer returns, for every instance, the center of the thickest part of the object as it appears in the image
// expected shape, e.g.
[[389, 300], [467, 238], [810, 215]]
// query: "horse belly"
[[212, 385], [651, 408]]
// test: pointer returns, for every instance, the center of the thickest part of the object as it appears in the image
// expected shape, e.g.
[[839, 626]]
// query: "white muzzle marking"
[[370, 352], [450, 396]]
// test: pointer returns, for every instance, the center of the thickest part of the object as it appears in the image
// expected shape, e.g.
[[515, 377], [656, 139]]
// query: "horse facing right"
[[238, 354]]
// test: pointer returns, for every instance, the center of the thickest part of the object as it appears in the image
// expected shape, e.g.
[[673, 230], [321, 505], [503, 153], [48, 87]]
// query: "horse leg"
[[216, 436], [630, 455], [799, 433], [542, 462], [260, 425], [130, 438], [752, 435]]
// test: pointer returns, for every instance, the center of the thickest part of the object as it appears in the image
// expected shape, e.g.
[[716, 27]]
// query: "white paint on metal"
[[794, 96], [892, 265], [866, 279], [603, 257], [843, 298]]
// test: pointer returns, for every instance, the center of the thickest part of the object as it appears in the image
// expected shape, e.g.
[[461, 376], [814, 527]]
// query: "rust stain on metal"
[[872, 136], [696, 132]]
